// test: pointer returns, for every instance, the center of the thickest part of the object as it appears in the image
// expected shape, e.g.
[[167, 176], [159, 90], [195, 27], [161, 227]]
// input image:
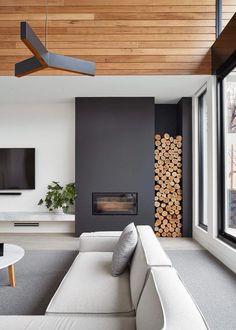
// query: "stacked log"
[[168, 193]]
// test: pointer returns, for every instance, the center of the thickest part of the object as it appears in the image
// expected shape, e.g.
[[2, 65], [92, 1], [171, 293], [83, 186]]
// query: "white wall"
[[209, 238], [50, 129]]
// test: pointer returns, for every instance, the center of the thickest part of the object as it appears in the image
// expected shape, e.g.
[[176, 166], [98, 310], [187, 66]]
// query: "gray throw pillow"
[[124, 250]]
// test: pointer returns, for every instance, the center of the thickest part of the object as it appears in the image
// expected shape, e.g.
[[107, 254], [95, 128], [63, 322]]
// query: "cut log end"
[[168, 190]]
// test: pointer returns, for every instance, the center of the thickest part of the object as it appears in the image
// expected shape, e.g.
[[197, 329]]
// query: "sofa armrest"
[[98, 241], [166, 304]]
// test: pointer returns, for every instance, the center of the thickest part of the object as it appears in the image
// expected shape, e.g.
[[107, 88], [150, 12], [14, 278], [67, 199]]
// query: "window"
[[202, 160], [227, 157]]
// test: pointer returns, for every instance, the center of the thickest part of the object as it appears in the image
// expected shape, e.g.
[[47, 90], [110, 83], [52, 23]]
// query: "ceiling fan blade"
[[33, 42], [28, 66], [44, 59], [71, 64]]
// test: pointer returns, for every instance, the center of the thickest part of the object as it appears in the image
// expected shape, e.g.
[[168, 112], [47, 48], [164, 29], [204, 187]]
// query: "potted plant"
[[58, 197]]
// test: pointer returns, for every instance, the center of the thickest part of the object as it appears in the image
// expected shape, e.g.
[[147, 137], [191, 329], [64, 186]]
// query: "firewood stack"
[[168, 193]]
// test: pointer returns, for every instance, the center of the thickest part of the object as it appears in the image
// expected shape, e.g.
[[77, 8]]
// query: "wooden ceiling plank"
[[130, 37], [113, 23], [84, 52], [146, 51], [228, 9], [124, 44], [155, 16], [116, 37], [115, 30], [15, 3], [112, 9], [41, 17], [107, 16], [138, 2], [129, 23], [134, 30], [147, 66], [229, 2], [129, 58]]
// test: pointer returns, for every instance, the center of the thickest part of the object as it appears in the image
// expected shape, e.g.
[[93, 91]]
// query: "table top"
[[12, 254]]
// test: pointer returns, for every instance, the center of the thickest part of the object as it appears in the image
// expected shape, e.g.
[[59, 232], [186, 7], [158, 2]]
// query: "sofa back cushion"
[[166, 304], [98, 241], [148, 253]]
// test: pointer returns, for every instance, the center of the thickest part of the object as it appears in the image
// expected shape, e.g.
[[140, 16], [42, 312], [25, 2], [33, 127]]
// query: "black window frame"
[[218, 17], [201, 193], [221, 74]]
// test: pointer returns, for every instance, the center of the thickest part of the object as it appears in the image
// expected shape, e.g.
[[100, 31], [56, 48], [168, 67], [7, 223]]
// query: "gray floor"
[[42, 241], [38, 275], [211, 284], [31, 241]]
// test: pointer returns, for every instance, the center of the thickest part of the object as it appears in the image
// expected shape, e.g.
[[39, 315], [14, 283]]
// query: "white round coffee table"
[[12, 254]]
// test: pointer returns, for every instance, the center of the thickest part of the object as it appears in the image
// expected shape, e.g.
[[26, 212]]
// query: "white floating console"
[[36, 216], [36, 222]]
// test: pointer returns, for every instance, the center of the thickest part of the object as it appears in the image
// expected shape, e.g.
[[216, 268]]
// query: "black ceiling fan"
[[44, 59]]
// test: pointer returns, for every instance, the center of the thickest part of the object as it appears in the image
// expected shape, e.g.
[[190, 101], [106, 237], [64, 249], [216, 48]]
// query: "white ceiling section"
[[165, 89]]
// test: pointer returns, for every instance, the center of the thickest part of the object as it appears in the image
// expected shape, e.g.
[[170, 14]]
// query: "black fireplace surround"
[[114, 153]]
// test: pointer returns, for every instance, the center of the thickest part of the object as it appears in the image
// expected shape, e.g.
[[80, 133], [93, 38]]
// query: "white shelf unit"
[[36, 222]]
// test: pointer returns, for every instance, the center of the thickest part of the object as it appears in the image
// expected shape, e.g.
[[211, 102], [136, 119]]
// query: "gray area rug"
[[38, 275], [212, 285]]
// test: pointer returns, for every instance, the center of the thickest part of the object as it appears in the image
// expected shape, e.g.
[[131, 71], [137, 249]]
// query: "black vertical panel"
[[114, 153], [166, 119], [185, 129]]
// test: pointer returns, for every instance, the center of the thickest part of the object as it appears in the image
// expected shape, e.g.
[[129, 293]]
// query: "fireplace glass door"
[[114, 203]]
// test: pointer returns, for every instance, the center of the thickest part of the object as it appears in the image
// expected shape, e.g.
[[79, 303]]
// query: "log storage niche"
[[168, 193]]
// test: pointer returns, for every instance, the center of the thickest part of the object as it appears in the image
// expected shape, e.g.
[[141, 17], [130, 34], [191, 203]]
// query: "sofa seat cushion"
[[66, 323], [89, 288], [102, 234]]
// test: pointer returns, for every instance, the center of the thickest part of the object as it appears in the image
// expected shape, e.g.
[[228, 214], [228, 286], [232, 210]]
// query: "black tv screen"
[[17, 168]]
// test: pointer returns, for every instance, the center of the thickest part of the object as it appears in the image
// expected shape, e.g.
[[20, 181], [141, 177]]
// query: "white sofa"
[[147, 296], [89, 288]]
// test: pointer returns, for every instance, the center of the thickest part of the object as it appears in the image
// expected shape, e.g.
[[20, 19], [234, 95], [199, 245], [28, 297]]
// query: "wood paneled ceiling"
[[228, 10], [125, 37]]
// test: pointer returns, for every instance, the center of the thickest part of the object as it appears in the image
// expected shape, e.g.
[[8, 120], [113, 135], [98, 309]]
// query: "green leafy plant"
[[59, 197]]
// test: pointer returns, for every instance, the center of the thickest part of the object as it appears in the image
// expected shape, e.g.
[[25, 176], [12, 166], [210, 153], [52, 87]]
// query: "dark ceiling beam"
[[223, 50]]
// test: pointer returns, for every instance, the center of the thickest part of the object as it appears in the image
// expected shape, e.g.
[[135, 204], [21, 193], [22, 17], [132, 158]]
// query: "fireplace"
[[110, 203]]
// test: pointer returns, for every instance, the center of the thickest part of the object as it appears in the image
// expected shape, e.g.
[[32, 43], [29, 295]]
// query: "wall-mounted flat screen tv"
[[17, 168]]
